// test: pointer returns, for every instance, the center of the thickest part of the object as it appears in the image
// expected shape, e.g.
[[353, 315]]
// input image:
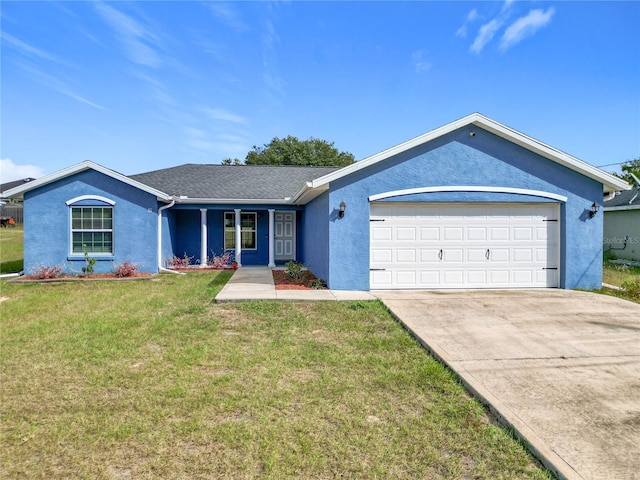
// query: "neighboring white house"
[[622, 224]]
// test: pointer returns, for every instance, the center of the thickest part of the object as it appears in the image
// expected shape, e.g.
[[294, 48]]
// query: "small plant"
[[221, 261], [90, 261], [318, 284], [294, 269], [126, 269], [177, 262], [632, 288], [44, 272]]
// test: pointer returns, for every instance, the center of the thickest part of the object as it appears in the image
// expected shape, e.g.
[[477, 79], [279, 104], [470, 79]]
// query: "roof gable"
[[610, 182], [81, 167]]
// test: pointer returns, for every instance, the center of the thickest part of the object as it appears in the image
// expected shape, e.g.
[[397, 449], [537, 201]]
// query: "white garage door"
[[464, 245]]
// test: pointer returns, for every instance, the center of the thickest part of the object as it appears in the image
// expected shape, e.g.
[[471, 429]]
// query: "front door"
[[285, 236]]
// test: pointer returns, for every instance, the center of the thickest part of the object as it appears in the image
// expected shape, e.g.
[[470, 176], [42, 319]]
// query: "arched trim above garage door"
[[468, 188]]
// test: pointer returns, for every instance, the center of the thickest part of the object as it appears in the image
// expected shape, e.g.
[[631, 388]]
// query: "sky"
[[139, 86]]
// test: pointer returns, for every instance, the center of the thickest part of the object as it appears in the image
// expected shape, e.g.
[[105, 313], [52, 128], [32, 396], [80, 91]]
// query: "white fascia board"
[[610, 182], [227, 201], [308, 193], [622, 207], [80, 167]]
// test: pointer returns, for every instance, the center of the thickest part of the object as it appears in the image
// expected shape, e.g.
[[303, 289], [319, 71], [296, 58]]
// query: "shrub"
[[126, 269], [632, 288], [294, 269], [44, 272], [177, 262], [318, 284], [221, 261]]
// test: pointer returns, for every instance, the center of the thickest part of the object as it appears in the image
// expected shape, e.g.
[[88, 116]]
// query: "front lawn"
[[11, 253], [151, 379]]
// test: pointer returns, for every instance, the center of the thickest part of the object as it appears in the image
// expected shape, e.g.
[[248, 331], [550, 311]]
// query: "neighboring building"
[[622, 225], [473, 204], [14, 209]]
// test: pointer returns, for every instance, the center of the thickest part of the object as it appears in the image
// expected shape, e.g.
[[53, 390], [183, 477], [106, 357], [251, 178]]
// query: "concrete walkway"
[[256, 283]]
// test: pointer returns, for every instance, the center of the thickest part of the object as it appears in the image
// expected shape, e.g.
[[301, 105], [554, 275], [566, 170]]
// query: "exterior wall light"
[[342, 208], [594, 209]]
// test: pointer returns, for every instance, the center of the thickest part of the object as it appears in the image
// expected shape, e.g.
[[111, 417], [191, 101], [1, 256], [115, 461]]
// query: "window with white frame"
[[248, 230], [92, 230]]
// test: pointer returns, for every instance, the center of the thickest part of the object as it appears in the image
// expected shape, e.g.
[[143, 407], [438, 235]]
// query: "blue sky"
[[137, 86]]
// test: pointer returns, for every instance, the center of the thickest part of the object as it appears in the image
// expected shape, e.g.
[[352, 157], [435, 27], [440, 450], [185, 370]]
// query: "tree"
[[629, 167], [230, 161], [291, 151]]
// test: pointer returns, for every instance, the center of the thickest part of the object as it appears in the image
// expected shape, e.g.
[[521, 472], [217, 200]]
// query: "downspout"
[[160, 210]]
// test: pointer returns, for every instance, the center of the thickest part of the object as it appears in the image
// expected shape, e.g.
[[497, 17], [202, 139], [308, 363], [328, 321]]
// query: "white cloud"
[[506, 5], [134, 36], [30, 49], [224, 116], [525, 27], [471, 16], [225, 13], [485, 34], [419, 62], [9, 171]]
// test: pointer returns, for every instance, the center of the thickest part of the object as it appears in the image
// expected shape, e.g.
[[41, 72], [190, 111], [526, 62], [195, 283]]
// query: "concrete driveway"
[[561, 367]]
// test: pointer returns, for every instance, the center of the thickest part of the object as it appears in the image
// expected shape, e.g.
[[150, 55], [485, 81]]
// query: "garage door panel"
[[497, 255], [476, 277], [523, 255], [499, 234], [429, 278], [476, 233], [429, 255], [379, 233], [466, 245], [406, 255], [453, 255], [453, 233], [406, 278], [476, 255], [428, 234], [452, 278]]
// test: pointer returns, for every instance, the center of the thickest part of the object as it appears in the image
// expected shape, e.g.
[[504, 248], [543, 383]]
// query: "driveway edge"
[[538, 448]]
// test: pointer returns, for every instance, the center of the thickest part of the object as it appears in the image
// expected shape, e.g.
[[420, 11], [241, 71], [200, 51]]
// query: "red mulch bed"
[[284, 282], [92, 276]]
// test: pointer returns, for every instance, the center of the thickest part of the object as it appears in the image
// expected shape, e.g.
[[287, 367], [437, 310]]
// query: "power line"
[[610, 164]]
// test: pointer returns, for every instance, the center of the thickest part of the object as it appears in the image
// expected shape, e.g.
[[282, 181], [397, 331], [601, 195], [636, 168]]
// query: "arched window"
[[91, 225]]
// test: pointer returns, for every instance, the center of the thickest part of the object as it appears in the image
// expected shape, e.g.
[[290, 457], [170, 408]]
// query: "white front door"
[[285, 236], [464, 245]]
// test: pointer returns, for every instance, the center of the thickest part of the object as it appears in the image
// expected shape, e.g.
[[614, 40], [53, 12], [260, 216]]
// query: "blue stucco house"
[[473, 204]]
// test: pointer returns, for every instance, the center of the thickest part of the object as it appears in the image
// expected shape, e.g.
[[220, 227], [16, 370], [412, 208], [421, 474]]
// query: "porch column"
[[203, 237], [272, 246], [238, 238]]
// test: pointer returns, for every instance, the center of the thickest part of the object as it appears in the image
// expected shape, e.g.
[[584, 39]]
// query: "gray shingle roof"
[[623, 198], [259, 182]]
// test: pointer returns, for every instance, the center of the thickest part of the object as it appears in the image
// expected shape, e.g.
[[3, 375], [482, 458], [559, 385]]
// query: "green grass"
[[151, 379], [11, 253], [622, 276]]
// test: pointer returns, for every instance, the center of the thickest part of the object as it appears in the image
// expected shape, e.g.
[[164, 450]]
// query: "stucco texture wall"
[[315, 236], [458, 159], [622, 233], [47, 224]]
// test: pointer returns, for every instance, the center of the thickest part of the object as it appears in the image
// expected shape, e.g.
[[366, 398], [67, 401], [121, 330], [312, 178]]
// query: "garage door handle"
[[488, 254], [440, 255]]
